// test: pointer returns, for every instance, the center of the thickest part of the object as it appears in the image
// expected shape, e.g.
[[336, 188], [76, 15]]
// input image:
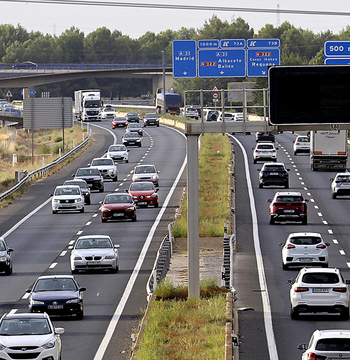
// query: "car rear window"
[[288, 198], [343, 179], [333, 345], [320, 278], [303, 139], [273, 168], [265, 147], [305, 240]]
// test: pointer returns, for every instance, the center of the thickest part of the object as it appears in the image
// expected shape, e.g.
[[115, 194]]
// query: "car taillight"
[[290, 246], [316, 357], [273, 150], [301, 289], [321, 246], [340, 289], [297, 143]]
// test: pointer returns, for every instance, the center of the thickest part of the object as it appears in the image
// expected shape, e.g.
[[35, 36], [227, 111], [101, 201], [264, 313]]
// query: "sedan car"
[[301, 144], [340, 184], [132, 117], [134, 127], [106, 167], [57, 295], [92, 176], [94, 252], [330, 344], [150, 119], [264, 136], [29, 336], [118, 206], [146, 173], [118, 152], [264, 151], [83, 187], [5, 257], [273, 174], [302, 249], [119, 122], [288, 206], [67, 198], [131, 138], [319, 290], [144, 193], [108, 113]]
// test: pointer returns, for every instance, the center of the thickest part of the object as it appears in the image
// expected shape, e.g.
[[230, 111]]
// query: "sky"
[[50, 18]]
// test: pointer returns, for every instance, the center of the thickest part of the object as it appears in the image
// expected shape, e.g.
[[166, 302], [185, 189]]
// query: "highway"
[[266, 329], [114, 303]]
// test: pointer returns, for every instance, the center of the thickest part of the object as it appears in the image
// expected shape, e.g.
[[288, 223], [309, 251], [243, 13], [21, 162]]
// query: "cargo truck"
[[328, 150], [172, 102], [88, 105]]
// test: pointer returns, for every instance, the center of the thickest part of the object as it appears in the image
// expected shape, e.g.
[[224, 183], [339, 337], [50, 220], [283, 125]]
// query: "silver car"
[[146, 173], [94, 252], [118, 152], [67, 198], [340, 184]]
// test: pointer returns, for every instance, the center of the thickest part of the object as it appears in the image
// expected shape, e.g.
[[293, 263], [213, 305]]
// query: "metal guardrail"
[[43, 171]]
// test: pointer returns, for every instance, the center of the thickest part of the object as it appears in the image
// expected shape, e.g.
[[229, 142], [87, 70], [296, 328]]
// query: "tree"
[[70, 46]]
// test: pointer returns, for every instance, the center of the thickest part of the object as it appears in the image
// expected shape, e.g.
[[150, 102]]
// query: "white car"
[[301, 144], [304, 248], [108, 113], [340, 184], [106, 166], [94, 252], [29, 336], [228, 116], [327, 345], [118, 152], [146, 173], [264, 151], [67, 198], [319, 290]]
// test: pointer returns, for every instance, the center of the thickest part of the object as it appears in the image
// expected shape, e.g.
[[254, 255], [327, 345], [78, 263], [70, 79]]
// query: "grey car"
[[5, 257], [150, 119]]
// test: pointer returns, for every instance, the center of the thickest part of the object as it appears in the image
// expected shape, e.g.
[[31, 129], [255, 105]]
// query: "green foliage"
[[58, 138], [56, 149], [44, 149]]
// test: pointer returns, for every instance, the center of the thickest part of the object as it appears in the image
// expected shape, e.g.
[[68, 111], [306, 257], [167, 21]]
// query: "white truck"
[[328, 150], [88, 105]]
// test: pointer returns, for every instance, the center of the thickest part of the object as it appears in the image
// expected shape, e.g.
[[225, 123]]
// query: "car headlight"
[[36, 302], [50, 344], [2, 347], [104, 209], [154, 195], [138, 140], [77, 200], [136, 177], [55, 200], [3, 258], [109, 257], [154, 177], [78, 257], [73, 301], [131, 208]]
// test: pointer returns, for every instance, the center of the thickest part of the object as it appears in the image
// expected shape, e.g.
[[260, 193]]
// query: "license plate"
[[273, 173], [131, 142], [320, 290], [288, 211], [118, 214], [142, 203], [66, 205], [91, 263], [305, 259], [54, 307]]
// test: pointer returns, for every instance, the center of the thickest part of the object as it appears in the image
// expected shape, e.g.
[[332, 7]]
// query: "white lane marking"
[[25, 296], [88, 223], [13, 311], [312, 200], [271, 341], [94, 215], [63, 253], [79, 232], [335, 241], [330, 231], [342, 252], [319, 214], [52, 266], [306, 189], [325, 222], [316, 207], [71, 242], [308, 194], [119, 310], [348, 264]]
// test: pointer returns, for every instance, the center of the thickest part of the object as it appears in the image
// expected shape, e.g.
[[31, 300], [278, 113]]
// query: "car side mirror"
[[281, 244], [269, 200], [328, 244], [50, 195], [258, 169], [88, 165], [100, 202], [288, 169], [82, 289], [126, 190], [117, 246], [128, 150], [306, 200], [331, 179], [301, 347], [28, 291], [277, 148], [290, 282], [10, 250], [347, 282], [106, 151]]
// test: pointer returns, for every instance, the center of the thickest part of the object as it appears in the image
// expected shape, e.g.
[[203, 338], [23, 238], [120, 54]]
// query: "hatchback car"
[[327, 345], [29, 336], [301, 144], [132, 117], [264, 151], [106, 167], [134, 127], [150, 119], [67, 198], [264, 136], [144, 193], [94, 252], [302, 249], [340, 184], [273, 174], [146, 173], [118, 152], [83, 187], [118, 206], [319, 290], [131, 138], [92, 176], [288, 206], [5, 257], [57, 295], [119, 122]]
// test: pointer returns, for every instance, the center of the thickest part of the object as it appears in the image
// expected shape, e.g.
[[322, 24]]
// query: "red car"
[[119, 121], [144, 193], [288, 206], [117, 206]]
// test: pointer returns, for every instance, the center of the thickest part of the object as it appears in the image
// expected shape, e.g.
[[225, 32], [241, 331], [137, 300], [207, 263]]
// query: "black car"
[[132, 117], [131, 138], [57, 295], [5, 257], [83, 187], [263, 136], [92, 176], [273, 174], [150, 119]]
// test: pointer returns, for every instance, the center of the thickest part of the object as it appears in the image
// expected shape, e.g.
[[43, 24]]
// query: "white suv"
[[340, 185], [319, 290], [327, 345], [106, 167], [301, 144], [67, 198], [264, 151]]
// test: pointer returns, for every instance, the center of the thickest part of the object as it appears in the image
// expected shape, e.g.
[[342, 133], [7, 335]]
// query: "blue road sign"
[[184, 59], [221, 44], [263, 43], [337, 48], [259, 60], [337, 61], [31, 92]]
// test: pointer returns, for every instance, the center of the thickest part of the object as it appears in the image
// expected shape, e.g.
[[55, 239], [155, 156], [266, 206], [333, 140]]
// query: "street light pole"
[[164, 100]]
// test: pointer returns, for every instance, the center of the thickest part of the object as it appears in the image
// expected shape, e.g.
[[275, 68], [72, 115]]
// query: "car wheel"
[[134, 218], [82, 210], [88, 202], [295, 152], [126, 161], [115, 178], [345, 314], [8, 271], [103, 220], [101, 190], [304, 221], [334, 195], [80, 315], [74, 271], [285, 266], [286, 186], [157, 125], [254, 161], [116, 269], [54, 211], [156, 205], [272, 220], [324, 265], [294, 314], [140, 145], [261, 186]]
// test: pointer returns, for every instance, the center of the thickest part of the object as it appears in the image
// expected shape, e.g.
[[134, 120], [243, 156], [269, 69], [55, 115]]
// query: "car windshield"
[[118, 199], [151, 115], [108, 109], [333, 345], [133, 126], [88, 172], [82, 184], [55, 284], [288, 198], [24, 327], [120, 119], [98, 162], [117, 148], [131, 114], [2, 246], [140, 187], [132, 135], [94, 243], [320, 278], [145, 169], [67, 191], [305, 240]]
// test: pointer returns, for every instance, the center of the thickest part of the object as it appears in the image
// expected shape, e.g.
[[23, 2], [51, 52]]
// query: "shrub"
[[58, 139], [44, 149]]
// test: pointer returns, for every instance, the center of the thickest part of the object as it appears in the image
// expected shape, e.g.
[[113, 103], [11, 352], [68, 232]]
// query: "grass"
[[214, 185], [185, 329]]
